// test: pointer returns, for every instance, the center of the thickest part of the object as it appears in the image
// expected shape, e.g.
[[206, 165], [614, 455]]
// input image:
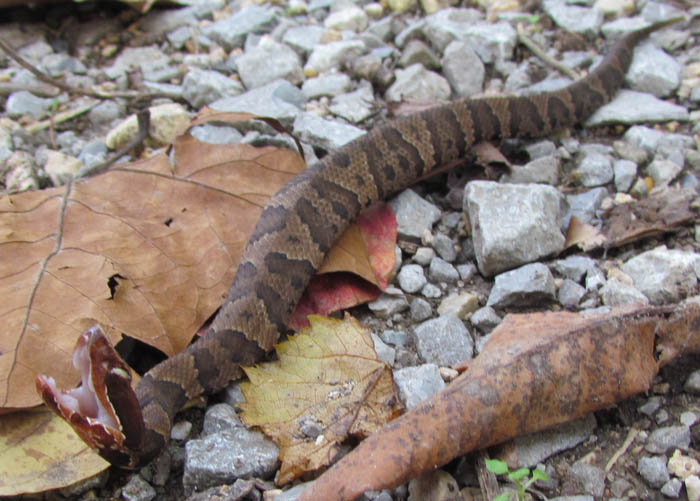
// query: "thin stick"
[[61, 117], [536, 50], [623, 448]]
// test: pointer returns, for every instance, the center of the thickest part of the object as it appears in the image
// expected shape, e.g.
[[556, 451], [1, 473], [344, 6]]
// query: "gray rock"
[[512, 224], [652, 405], [93, 153], [414, 31], [632, 152], [58, 65], [589, 477], [326, 85], [179, 36], [584, 205], [355, 106], [411, 278], [531, 450], [651, 139], [440, 271], [130, 59], [159, 70], [414, 215], [161, 21], [575, 267], [415, 83], [105, 112], [595, 169], [485, 319], [466, 271], [202, 87], [389, 303], [418, 52], [630, 107], [221, 458], [424, 255], [570, 293], [384, 352], [230, 32], [463, 69], [664, 439], [444, 341], [350, 18], [664, 275], [583, 20], [653, 470], [618, 293], [395, 338], [221, 417], [332, 55], [137, 489], [616, 29], [625, 172], [543, 170], [303, 39], [418, 383], [653, 71], [277, 99], [421, 310], [216, 134], [269, 61], [541, 149], [25, 103], [445, 247], [662, 172], [326, 134], [35, 51], [672, 488], [524, 286], [449, 24], [494, 43], [431, 291], [692, 384]]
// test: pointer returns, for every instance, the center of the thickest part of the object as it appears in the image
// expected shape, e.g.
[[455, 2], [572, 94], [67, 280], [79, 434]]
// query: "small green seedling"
[[501, 468]]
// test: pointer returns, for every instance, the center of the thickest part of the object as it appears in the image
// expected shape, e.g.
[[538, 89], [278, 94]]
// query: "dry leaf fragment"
[[328, 385], [40, 452]]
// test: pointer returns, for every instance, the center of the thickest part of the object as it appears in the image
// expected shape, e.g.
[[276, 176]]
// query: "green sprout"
[[501, 468]]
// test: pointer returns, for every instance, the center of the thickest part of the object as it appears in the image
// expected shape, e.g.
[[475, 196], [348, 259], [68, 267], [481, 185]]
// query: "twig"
[[61, 117], [623, 448], [7, 88], [67, 88], [536, 50], [144, 120]]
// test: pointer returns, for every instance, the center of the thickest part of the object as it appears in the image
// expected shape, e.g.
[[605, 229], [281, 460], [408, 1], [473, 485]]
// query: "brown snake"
[[295, 231]]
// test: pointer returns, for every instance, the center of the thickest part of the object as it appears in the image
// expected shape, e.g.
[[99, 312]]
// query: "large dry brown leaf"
[[148, 250], [536, 371]]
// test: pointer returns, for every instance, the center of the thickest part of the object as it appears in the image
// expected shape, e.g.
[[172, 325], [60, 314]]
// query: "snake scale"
[[296, 229]]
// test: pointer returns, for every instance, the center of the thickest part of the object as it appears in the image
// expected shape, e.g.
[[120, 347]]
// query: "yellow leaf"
[[40, 452], [328, 385]]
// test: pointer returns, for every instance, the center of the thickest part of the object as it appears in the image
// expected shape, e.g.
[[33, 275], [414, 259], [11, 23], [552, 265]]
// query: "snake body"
[[296, 229]]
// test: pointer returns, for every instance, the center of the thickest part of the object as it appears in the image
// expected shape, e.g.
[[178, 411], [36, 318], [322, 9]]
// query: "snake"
[[129, 427]]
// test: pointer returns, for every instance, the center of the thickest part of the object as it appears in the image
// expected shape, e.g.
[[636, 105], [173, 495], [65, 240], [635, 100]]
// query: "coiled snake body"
[[296, 229]]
